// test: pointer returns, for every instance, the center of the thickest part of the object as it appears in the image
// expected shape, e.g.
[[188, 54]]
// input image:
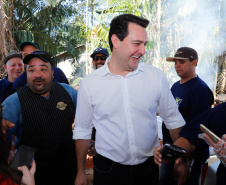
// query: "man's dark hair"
[[119, 26]]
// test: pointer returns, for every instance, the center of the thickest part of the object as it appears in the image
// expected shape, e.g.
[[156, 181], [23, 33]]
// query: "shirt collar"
[[105, 69]]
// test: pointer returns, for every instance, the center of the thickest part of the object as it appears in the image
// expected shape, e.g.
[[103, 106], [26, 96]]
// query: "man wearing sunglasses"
[[99, 57]]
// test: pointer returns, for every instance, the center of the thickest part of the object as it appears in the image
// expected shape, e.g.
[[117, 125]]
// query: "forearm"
[[185, 144], [81, 147], [174, 133]]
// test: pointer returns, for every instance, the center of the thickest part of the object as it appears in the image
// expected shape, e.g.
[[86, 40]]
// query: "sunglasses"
[[102, 58]]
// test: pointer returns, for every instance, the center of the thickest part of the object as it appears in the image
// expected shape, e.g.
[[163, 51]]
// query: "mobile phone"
[[23, 157], [171, 152], [210, 133]]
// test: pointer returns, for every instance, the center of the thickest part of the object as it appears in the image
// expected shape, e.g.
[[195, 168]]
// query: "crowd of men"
[[121, 100]]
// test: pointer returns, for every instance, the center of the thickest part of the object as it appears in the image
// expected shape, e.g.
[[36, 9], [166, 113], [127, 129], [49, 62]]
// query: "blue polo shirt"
[[12, 110], [5, 86]]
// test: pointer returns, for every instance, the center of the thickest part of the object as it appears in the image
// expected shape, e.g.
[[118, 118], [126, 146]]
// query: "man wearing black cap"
[[99, 57], [14, 67], [193, 97], [26, 48], [41, 114]]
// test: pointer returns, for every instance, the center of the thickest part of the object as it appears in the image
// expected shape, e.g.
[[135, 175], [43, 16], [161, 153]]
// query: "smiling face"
[[128, 52], [39, 76], [14, 68], [98, 60]]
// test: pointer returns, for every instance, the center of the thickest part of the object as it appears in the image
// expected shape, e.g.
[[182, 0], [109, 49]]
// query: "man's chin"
[[98, 66]]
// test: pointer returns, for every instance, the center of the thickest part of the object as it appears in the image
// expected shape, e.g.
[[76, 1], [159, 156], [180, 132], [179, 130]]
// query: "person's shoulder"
[[69, 89], [94, 75], [66, 86], [150, 68], [11, 99], [196, 84]]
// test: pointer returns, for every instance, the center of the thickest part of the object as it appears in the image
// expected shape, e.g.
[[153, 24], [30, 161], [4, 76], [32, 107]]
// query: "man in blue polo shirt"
[[14, 67], [26, 48], [41, 115], [193, 97]]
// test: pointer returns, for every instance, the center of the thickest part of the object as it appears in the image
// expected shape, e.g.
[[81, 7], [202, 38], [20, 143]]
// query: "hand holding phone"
[[171, 152], [213, 136], [23, 157]]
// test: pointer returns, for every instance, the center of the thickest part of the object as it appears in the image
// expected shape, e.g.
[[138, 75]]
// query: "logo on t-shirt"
[[178, 101]]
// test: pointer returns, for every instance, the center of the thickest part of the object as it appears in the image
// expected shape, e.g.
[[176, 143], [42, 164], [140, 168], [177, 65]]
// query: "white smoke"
[[196, 24]]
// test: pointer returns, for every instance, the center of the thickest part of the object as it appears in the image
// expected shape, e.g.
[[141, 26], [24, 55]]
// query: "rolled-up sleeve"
[[167, 108], [84, 115]]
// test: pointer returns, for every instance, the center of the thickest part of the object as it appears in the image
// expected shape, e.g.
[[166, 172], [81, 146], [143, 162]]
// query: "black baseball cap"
[[184, 53], [26, 43], [12, 54], [44, 56], [100, 51]]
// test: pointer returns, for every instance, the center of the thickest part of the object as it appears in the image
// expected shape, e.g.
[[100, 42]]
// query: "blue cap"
[[100, 51]]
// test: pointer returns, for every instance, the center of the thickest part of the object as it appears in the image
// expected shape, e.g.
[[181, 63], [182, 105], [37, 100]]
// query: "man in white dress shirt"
[[121, 100]]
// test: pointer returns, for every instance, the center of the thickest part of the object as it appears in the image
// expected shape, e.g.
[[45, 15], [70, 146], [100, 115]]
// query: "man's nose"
[[142, 49], [176, 65], [38, 73], [17, 67]]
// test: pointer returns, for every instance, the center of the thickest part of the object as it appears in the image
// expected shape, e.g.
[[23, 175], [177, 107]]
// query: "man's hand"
[[6, 125], [28, 176], [157, 155], [181, 170], [219, 147], [81, 179]]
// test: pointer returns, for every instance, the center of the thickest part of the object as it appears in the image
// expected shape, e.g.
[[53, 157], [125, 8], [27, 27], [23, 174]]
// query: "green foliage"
[[56, 25]]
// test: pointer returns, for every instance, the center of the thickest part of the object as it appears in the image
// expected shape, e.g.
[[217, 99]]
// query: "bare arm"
[[174, 133], [184, 143], [81, 152]]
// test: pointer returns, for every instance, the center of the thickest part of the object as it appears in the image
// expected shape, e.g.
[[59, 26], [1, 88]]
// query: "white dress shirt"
[[123, 111]]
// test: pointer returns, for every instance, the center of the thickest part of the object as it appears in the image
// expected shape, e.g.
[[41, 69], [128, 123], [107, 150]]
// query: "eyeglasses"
[[102, 58]]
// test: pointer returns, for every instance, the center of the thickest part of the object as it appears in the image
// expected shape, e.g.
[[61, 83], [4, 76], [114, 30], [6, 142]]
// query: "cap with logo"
[[184, 53], [100, 51], [12, 54], [44, 56], [26, 43]]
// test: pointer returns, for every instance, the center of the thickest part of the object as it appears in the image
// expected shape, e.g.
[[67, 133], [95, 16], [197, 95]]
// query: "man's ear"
[[115, 41], [5, 67], [195, 62]]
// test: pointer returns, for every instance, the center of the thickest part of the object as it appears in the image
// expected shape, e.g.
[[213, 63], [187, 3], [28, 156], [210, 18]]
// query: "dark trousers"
[[108, 172]]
